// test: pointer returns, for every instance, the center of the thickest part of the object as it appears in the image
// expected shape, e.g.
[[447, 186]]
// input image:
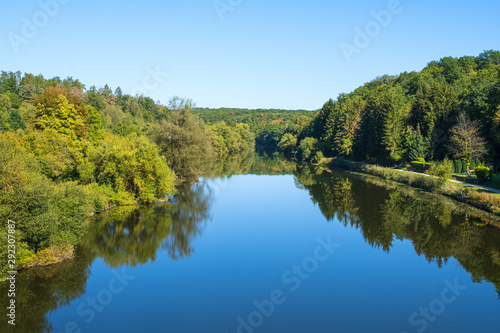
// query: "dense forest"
[[68, 152], [412, 115], [268, 125], [398, 118]]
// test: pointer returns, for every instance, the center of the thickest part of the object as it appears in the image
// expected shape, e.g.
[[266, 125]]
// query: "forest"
[[68, 152], [449, 109], [268, 125]]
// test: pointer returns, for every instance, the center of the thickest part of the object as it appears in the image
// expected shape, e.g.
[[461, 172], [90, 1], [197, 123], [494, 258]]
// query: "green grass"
[[472, 187], [467, 193], [493, 183]]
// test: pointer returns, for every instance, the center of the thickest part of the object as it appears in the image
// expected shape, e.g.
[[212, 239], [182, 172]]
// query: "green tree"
[[183, 141], [419, 147], [348, 125], [466, 141], [288, 143], [307, 147], [132, 164], [5, 109]]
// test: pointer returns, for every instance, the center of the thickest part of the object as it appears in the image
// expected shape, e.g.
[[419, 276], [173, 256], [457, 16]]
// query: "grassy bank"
[[489, 202], [494, 182]]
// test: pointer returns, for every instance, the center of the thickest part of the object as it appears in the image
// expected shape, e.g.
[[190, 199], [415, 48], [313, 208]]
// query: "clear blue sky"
[[264, 54]]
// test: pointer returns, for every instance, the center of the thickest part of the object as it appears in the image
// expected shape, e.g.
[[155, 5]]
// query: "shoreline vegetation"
[[487, 202], [68, 152]]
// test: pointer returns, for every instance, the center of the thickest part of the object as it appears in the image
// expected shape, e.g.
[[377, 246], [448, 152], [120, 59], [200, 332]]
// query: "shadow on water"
[[438, 228]]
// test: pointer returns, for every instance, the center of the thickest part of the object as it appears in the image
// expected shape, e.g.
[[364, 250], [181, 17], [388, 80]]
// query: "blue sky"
[[263, 54]]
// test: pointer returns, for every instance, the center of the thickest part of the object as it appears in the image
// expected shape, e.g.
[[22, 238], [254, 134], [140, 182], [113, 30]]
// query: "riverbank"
[[489, 202]]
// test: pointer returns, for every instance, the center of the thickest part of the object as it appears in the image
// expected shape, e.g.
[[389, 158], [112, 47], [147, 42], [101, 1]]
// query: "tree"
[[183, 140], [396, 110], [307, 147], [288, 143], [419, 147], [132, 164], [466, 141], [348, 124], [5, 108], [59, 111]]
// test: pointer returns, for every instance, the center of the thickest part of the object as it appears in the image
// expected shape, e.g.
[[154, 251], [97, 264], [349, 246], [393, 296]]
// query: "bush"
[[442, 170], [420, 166], [427, 183], [99, 204], [483, 173], [458, 166], [46, 213]]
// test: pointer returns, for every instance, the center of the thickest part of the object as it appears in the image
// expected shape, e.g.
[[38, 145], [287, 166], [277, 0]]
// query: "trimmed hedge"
[[483, 173]]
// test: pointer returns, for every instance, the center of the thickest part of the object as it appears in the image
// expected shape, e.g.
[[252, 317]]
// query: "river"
[[266, 245]]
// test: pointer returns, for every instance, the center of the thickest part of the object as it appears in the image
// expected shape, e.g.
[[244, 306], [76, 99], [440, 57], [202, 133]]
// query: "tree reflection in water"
[[438, 228]]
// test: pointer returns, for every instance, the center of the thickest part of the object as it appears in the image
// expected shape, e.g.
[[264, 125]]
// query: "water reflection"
[[41, 290], [127, 236], [438, 228]]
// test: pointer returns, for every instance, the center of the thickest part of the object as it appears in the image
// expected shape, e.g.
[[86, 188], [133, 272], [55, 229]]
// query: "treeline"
[[268, 125], [412, 115], [67, 152]]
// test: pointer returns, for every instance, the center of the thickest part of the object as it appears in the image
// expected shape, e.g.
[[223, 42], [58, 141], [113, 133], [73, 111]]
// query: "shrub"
[[52, 255], [483, 173], [442, 170], [99, 204], [46, 213], [427, 183], [464, 166], [24, 256]]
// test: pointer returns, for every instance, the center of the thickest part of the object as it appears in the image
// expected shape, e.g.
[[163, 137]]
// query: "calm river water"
[[264, 245]]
